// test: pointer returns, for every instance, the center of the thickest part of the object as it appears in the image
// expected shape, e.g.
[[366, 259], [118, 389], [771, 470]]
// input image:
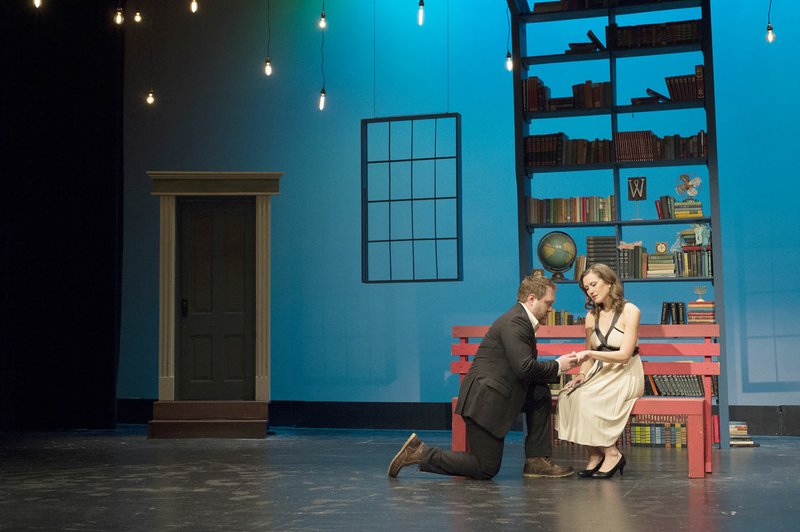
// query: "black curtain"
[[60, 213]]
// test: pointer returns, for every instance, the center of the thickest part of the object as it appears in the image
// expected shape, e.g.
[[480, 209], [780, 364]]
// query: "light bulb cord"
[[769, 11], [269, 25], [322, 53]]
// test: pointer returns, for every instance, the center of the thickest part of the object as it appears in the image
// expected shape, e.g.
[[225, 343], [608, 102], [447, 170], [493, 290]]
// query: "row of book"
[[701, 311], [677, 385], [656, 431], [595, 95], [651, 35], [632, 261], [571, 210], [673, 312], [556, 149], [646, 146], [561, 317], [554, 6], [687, 87], [669, 208], [647, 430], [636, 263]]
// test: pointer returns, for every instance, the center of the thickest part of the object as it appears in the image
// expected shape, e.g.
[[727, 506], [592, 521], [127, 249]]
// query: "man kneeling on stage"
[[504, 378]]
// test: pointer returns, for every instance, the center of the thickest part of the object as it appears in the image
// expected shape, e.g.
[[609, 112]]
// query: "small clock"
[[661, 247]]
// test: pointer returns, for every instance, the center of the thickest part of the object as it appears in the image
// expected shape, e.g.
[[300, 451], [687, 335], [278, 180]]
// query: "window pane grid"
[[405, 220]]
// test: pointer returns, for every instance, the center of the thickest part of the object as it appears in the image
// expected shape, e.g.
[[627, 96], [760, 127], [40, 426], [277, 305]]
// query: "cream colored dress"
[[595, 412]]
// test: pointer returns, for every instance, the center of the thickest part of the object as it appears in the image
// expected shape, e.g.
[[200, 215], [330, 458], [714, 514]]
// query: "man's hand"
[[565, 362]]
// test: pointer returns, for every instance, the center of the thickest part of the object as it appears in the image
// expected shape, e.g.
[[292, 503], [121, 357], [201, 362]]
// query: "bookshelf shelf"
[[610, 166], [623, 223], [534, 106]]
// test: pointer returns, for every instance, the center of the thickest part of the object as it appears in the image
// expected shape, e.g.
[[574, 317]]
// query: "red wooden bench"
[[691, 349]]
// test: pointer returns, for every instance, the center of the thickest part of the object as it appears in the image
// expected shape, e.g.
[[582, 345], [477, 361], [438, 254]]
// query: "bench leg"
[[459, 430], [696, 442]]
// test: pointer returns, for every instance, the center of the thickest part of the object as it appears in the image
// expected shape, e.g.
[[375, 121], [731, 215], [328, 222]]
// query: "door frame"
[[169, 185]]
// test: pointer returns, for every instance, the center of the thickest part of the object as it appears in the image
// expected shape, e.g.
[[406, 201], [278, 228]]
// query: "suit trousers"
[[485, 455]]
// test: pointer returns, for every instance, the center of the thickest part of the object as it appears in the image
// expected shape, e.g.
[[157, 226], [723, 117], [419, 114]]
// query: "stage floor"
[[310, 479]]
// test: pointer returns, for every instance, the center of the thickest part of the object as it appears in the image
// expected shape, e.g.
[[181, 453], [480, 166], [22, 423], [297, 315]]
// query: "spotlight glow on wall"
[[119, 18], [421, 13], [193, 6]]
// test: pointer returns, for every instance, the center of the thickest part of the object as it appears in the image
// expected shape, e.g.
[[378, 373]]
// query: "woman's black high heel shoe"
[[610, 473], [587, 473]]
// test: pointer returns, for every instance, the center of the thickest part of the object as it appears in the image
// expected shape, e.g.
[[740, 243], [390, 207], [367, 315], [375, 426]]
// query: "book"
[[658, 95], [595, 40]]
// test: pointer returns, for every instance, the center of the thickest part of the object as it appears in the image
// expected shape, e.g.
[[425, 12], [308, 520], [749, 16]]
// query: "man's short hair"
[[536, 284]]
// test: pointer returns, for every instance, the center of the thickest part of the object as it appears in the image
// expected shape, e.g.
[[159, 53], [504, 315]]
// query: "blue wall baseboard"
[[761, 420]]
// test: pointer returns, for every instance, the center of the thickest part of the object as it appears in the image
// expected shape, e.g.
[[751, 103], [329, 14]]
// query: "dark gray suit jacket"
[[493, 391]]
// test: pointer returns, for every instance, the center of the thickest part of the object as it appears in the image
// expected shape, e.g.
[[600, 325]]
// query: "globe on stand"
[[556, 252]]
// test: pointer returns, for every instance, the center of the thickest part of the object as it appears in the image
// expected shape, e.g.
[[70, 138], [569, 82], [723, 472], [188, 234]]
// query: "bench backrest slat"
[[694, 341], [579, 331]]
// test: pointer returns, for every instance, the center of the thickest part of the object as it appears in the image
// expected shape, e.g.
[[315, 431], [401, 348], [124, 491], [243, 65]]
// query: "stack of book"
[[688, 208], [739, 434], [601, 249], [660, 265], [701, 312]]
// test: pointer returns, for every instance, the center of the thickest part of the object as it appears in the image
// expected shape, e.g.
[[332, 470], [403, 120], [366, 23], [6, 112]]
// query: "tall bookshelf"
[[526, 20]]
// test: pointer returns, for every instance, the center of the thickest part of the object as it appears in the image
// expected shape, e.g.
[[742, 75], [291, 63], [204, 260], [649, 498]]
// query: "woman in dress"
[[596, 403]]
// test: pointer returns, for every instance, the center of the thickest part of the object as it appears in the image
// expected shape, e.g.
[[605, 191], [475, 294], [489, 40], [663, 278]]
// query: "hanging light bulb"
[[770, 34], [193, 6], [138, 16], [322, 22], [119, 18], [421, 13], [509, 62], [322, 99], [151, 97], [267, 67], [37, 3]]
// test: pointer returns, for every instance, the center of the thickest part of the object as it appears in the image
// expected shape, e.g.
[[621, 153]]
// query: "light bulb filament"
[[267, 67], [119, 18], [421, 13], [322, 100]]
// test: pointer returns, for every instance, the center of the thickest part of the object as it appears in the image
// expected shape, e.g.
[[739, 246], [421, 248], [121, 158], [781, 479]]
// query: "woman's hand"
[[576, 380], [583, 356]]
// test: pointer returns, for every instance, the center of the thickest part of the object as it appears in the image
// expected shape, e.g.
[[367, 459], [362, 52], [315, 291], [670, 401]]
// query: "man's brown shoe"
[[410, 453], [542, 466]]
